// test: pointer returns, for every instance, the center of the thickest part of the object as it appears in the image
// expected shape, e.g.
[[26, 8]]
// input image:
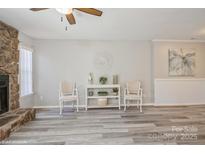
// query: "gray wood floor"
[[155, 125]]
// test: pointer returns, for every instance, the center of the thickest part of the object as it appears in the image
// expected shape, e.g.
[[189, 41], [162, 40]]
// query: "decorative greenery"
[[115, 90], [103, 80], [102, 93]]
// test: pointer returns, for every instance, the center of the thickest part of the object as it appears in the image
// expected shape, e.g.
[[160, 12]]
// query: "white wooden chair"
[[68, 93], [133, 91]]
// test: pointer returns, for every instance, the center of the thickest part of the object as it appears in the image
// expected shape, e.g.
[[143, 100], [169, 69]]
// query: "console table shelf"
[[97, 87], [90, 97]]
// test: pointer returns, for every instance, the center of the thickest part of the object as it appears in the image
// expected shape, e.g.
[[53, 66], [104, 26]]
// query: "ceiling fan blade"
[[71, 18], [91, 11], [38, 9]]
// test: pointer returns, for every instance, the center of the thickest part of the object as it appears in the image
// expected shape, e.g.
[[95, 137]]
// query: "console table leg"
[[86, 99], [119, 98]]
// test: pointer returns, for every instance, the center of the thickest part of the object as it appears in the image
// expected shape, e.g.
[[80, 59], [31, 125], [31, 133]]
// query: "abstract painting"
[[181, 62]]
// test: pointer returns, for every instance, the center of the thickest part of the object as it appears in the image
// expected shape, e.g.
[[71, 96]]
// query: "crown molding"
[[160, 40]]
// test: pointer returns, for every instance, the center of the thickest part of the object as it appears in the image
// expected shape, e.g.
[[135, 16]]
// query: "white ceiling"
[[115, 24]]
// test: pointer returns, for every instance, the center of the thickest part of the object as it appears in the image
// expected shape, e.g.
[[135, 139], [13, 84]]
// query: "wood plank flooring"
[[155, 125]]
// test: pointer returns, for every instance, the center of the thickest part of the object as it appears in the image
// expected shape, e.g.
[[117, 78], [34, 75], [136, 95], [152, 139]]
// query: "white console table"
[[97, 87]]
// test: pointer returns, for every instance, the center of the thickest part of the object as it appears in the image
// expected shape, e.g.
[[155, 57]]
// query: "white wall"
[[160, 56], [56, 60], [26, 101], [25, 39], [177, 90]]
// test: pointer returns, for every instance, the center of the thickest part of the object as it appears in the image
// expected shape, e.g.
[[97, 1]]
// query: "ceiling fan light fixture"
[[70, 11], [64, 10]]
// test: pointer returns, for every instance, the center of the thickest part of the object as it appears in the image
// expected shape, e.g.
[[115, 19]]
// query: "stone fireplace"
[[11, 116], [9, 59]]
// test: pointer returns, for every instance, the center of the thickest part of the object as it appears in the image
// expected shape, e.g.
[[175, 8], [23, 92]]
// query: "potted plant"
[[103, 80]]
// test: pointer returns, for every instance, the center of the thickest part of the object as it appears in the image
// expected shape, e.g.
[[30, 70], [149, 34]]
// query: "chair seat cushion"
[[132, 96], [67, 94], [68, 98]]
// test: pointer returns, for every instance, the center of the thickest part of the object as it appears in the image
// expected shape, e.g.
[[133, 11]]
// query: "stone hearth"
[[11, 121]]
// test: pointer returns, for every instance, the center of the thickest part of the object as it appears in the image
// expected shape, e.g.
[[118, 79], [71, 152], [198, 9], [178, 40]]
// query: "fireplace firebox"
[[4, 93]]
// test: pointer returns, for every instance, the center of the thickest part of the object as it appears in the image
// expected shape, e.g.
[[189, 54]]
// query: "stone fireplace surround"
[[9, 59]]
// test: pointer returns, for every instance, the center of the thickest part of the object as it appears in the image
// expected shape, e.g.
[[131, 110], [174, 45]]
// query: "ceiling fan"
[[68, 12]]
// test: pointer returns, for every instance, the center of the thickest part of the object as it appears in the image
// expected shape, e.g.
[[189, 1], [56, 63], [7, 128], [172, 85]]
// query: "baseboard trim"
[[56, 106], [147, 104], [177, 104], [80, 106]]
